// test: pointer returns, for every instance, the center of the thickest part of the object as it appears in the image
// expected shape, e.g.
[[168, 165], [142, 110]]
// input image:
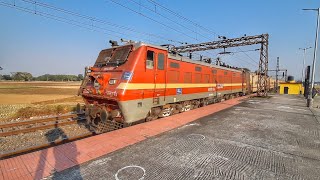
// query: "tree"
[[58, 77], [80, 77], [6, 77], [22, 76], [45, 77]]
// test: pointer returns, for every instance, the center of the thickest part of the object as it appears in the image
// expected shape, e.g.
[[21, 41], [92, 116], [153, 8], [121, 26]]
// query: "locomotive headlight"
[[96, 84], [112, 81]]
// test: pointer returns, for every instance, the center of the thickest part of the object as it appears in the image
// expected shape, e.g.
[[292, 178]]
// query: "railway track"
[[29, 126], [15, 128], [42, 146], [11, 129]]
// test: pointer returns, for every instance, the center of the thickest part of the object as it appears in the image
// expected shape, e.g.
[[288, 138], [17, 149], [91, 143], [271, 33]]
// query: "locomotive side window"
[[174, 65], [150, 59], [197, 68], [161, 61]]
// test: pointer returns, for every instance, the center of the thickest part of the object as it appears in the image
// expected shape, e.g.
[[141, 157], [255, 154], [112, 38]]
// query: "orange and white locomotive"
[[141, 82]]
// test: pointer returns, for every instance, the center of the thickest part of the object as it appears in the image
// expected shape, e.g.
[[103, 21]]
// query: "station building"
[[291, 87]]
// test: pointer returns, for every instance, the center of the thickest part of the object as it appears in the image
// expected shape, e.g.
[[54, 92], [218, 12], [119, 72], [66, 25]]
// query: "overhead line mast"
[[262, 39]]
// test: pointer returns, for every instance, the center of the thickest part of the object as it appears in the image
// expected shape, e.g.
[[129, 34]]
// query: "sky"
[[49, 41]]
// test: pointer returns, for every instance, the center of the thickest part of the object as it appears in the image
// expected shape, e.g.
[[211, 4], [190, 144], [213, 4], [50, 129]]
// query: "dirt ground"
[[11, 92], [17, 95]]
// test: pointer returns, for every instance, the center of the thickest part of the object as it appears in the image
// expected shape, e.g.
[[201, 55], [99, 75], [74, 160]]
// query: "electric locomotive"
[[137, 82]]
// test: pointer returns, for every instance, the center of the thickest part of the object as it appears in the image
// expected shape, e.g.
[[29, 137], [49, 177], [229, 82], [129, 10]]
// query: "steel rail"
[[32, 129], [42, 146], [28, 122]]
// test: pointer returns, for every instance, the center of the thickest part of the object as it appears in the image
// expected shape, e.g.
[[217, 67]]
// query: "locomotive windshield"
[[103, 58], [113, 57]]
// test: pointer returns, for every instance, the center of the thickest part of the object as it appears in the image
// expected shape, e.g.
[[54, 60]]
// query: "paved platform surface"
[[43, 163], [276, 138], [316, 102]]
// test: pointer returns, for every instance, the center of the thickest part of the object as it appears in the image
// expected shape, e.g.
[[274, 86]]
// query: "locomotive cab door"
[[159, 69]]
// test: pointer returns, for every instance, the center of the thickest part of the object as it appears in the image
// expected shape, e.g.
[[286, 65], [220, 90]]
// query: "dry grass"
[[28, 99], [14, 99], [34, 92], [73, 99], [38, 83], [33, 111]]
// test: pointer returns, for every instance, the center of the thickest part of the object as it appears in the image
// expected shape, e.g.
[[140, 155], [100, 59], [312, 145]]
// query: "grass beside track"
[[30, 99]]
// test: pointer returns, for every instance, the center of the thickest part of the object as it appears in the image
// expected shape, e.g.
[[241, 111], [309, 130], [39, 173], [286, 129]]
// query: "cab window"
[[161, 61], [150, 59]]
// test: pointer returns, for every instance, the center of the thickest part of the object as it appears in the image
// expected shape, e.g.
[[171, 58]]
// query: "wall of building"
[[293, 88]]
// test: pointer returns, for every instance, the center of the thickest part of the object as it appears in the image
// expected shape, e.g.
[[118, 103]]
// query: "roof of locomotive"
[[186, 59], [138, 44], [179, 57]]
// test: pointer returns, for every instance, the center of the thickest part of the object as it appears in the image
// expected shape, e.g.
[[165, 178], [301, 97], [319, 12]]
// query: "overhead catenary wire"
[[90, 26], [253, 65], [154, 11], [92, 20], [194, 23], [97, 20], [182, 17], [169, 19], [57, 18], [150, 18]]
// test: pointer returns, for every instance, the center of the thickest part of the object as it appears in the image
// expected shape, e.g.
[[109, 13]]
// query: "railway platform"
[[254, 138]]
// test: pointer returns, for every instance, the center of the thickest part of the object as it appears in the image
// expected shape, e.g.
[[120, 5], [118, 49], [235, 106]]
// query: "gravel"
[[22, 141]]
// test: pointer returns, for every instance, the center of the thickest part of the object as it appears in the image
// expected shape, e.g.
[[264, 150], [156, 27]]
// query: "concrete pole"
[[304, 63], [285, 75], [277, 80], [310, 98]]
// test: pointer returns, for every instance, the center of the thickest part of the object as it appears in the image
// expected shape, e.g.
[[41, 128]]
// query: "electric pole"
[[304, 62], [310, 98], [277, 80], [277, 70]]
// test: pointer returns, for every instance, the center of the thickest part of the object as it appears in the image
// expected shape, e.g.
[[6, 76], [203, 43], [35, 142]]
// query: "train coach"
[[141, 82], [271, 83]]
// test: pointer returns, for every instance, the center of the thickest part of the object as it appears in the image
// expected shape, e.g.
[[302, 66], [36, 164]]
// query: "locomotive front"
[[99, 88]]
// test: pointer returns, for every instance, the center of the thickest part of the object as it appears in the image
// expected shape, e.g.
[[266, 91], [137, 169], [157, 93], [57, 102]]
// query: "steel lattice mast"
[[262, 39]]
